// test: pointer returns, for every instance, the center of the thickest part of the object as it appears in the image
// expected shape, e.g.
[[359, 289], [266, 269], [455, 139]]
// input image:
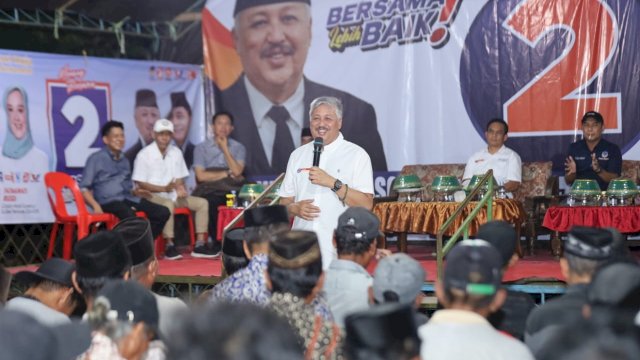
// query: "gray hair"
[[331, 101]]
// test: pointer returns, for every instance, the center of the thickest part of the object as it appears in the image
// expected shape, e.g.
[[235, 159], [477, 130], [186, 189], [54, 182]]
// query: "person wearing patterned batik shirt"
[[295, 276], [262, 224]]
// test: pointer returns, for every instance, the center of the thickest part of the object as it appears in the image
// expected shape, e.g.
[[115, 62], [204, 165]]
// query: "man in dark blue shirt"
[[593, 157], [107, 186]]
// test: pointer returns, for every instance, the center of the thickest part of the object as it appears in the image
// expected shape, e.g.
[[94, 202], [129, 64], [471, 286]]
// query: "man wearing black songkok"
[[584, 251], [295, 277]]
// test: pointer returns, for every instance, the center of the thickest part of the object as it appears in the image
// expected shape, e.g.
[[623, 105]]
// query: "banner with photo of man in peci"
[[420, 79], [55, 105]]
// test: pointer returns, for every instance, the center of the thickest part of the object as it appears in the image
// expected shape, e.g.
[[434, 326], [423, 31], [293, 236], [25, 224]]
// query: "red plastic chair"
[[159, 241], [55, 183]]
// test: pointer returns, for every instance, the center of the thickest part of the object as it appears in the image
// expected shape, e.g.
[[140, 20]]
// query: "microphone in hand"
[[318, 144]]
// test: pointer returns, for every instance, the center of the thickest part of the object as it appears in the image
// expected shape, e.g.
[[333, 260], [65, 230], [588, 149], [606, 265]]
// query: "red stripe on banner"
[[221, 61]]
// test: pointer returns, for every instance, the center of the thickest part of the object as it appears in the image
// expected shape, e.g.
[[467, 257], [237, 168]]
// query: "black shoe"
[[171, 253], [205, 252]]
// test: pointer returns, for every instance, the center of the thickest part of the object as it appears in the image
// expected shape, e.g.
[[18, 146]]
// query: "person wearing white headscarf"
[[22, 164], [18, 143]]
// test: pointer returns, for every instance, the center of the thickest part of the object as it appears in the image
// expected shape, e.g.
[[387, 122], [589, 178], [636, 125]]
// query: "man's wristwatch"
[[337, 186]]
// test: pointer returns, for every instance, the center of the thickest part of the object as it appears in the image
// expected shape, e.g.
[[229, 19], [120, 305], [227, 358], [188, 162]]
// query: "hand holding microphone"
[[318, 145]]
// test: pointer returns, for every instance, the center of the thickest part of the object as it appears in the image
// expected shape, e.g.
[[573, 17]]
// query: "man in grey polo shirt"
[[218, 159], [347, 283]]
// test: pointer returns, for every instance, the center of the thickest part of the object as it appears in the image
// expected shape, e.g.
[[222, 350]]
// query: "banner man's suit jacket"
[[359, 124]]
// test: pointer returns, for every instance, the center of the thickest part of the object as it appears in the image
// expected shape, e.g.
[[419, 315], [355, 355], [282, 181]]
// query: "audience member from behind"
[[347, 282], [233, 254], [383, 332], [125, 323], [22, 337], [50, 297], [235, 331], [5, 284], [584, 251], [512, 315], [398, 279], [614, 294], [99, 257], [607, 330], [469, 292], [295, 277], [136, 233], [262, 224]]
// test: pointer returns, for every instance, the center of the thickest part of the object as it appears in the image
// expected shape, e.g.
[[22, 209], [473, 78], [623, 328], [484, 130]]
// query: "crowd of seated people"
[[280, 304]]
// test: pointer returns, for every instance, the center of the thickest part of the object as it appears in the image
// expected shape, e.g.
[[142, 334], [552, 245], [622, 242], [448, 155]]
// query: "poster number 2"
[[555, 99], [79, 148]]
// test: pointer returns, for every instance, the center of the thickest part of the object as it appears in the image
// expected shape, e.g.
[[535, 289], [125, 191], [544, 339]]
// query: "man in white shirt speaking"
[[505, 163], [317, 195], [160, 169]]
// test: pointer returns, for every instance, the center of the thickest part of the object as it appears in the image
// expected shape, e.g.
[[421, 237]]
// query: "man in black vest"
[[271, 100]]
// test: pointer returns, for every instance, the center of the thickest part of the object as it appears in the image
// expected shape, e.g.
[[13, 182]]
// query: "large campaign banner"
[[435, 72], [53, 107]]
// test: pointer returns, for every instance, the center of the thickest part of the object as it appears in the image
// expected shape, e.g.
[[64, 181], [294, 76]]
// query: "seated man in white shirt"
[[505, 163], [160, 169]]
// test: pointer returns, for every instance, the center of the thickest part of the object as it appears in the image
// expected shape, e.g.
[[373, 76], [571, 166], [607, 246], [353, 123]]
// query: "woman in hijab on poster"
[[18, 150]]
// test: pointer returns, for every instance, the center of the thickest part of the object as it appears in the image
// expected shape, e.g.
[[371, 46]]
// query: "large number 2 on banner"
[[554, 101], [79, 148], [75, 119]]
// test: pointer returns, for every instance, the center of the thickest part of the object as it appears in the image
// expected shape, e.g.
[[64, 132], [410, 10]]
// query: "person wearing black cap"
[[607, 327], [233, 255], [107, 186], [584, 251], [50, 297], [145, 113], [125, 322], [218, 164], [469, 292], [593, 157], [271, 99], [23, 337], [294, 275], [262, 224], [347, 282], [136, 234], [99, 257], [180, 115], [385, 331], [512, 315]]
